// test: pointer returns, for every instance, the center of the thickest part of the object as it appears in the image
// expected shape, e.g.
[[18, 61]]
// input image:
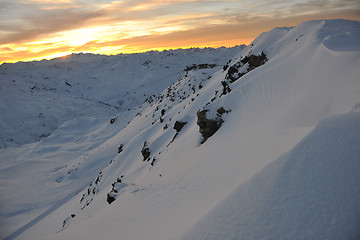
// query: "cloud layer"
[[32, 29]]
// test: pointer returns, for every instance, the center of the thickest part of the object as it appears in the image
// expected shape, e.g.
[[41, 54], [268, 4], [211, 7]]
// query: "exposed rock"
[[221, 111], [116, 188], [153, 160], [66, 221], [226, 88], [145, 151], [233, 73], [191, 67], [254, 61], [110, 197], [207, 127], [199, 66], [120, 149], [179, 125], [112, 120]]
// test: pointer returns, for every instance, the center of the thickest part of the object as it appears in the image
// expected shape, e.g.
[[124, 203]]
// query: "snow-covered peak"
[[334, 34]]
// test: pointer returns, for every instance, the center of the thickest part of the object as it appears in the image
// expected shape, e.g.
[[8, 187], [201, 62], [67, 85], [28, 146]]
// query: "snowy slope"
[[37, 97], [167, 182], [76, 118], [311, 192]]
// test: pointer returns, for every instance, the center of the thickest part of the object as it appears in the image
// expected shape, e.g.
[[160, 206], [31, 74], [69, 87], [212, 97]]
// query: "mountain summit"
[[253, 142]]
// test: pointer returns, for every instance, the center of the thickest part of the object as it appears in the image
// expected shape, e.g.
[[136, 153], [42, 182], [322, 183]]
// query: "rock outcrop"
[[237, 70], [254, 61], [145, 151], [179, 125], [207, 127]]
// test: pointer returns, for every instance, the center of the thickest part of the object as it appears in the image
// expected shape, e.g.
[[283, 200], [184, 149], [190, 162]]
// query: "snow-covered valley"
[[251, 142]]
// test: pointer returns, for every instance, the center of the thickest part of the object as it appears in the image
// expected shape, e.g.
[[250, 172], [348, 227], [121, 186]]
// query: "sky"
[[44, 29]]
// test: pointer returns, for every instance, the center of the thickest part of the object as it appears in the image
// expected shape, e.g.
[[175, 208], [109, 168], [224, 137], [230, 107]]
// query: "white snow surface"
[[37, 97], [311, 192], [284, 164]]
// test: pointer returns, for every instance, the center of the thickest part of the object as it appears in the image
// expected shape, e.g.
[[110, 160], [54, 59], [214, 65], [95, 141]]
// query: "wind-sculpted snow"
[[340, 35], [150, 174], [311, 192]]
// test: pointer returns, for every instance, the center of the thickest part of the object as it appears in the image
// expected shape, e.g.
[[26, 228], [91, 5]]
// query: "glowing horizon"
[[44, 29]]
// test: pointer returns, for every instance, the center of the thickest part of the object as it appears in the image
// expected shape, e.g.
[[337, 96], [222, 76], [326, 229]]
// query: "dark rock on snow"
[[254, 61], [179, 125], [145, 151], [110, 198], [120, 148], [207, 127]]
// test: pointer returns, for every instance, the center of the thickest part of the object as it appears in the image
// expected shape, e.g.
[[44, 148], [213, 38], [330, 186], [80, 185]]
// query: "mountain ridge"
[[75, 79]]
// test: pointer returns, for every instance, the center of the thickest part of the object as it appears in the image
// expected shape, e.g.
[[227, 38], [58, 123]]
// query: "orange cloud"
[[33, 29]]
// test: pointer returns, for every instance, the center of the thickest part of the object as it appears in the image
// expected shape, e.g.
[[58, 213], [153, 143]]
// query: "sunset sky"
[[37, 29]]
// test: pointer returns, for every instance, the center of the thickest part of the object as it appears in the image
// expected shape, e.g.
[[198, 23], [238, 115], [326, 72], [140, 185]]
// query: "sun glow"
[[80, 37], [37, 29], [58, 55]]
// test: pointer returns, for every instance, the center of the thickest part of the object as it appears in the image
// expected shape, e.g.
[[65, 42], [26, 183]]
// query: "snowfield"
[[251, 142]]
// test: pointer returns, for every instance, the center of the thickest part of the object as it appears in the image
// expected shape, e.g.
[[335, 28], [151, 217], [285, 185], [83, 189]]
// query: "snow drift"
[[311, 192], [276, 156]]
